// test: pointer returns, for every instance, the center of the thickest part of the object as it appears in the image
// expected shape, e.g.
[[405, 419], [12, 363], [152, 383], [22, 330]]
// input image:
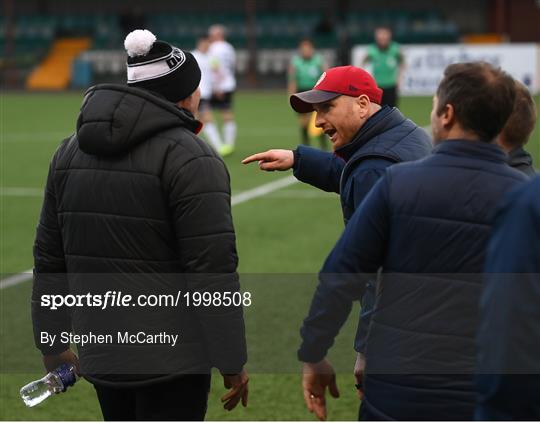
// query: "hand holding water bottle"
[[63, 369]]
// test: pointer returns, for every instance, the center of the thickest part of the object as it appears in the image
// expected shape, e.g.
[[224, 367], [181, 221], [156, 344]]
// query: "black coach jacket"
[[135, 202]]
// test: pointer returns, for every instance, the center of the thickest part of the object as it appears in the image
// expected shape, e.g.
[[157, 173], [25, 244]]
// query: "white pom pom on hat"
[[139, 42]]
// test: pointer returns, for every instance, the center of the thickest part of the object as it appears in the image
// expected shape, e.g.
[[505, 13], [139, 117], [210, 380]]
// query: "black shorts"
[[224, 102], [390, 96], [179, 399]]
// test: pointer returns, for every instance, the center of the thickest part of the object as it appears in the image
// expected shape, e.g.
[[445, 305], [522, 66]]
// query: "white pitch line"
[[302, 194], [16, 279], [239, 198], [261, 190], [21, 192]]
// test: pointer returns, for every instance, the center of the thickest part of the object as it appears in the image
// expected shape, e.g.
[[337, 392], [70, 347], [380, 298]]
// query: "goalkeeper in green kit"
[[304, 71]]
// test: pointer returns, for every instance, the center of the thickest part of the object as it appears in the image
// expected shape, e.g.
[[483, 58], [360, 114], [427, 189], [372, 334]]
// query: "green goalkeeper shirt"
[[385, 64], [306, 72]]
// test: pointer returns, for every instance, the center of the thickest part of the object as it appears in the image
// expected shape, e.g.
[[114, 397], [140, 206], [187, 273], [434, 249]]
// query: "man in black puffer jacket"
[[136, 203], [426, 223]]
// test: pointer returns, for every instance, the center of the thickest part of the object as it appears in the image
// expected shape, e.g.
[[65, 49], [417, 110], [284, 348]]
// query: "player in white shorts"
[[223, 65], [210, 129]]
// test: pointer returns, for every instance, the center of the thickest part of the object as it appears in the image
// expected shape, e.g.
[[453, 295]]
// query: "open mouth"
[[332, 133]]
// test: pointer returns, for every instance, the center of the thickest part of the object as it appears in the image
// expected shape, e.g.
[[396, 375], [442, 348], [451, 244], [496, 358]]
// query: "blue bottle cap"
[[66, 373]]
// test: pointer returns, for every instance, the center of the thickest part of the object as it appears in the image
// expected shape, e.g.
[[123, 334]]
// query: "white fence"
[[425, 63], [269, 61]]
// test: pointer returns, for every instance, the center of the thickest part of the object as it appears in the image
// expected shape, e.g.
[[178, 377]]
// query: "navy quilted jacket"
[[508, 379], [385, 139], [427, 224]]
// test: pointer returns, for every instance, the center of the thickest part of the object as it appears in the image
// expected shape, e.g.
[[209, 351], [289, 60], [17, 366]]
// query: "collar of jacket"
[[469, 148], [385, 119], [194, 126], [518, 156]]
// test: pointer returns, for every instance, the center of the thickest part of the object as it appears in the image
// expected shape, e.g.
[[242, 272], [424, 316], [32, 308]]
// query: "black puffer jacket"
[[136, 203]]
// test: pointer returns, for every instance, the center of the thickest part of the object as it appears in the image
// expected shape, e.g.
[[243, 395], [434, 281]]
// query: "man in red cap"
[[366, 139]]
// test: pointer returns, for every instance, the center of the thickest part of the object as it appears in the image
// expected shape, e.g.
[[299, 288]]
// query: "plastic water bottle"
[[54, 382]]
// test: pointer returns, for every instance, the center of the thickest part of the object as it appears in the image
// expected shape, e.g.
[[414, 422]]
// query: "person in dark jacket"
[[517, 131], [136, 203], [366, 138], [508, 379], [426, 224]]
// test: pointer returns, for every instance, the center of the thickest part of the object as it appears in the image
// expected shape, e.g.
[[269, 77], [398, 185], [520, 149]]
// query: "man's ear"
[[363, 104], [185, 102], [448, 115]]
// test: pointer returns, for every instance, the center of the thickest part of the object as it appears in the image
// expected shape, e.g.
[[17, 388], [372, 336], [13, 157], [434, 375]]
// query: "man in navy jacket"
[[426, 223], [508, 378], [366, 138]]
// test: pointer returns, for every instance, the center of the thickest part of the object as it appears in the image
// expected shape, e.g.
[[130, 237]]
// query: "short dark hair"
[[481, 94], [520, 124]]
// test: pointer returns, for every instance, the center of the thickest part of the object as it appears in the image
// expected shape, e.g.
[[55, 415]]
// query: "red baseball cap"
[[342, 80]]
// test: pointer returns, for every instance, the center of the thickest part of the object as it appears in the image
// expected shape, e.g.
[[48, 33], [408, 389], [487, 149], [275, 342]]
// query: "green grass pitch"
[[283, 239]]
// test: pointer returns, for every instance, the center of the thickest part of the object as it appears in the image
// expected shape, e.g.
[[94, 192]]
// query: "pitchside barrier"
[[425, 63]]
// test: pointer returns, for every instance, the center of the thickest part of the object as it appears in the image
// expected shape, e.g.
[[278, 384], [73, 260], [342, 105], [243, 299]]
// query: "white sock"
[[212, 133], [229, 133]]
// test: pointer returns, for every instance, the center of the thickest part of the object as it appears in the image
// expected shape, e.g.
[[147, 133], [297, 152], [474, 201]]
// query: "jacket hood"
[[115, 118], [521, 160], [519, 157]]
